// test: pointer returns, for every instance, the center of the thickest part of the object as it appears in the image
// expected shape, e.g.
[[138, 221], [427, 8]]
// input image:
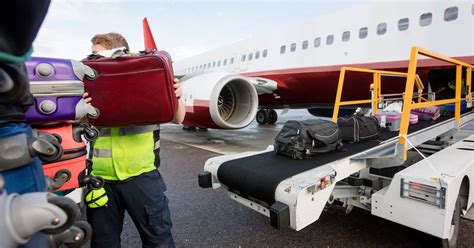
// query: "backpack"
[[358, 127], [301, 139]]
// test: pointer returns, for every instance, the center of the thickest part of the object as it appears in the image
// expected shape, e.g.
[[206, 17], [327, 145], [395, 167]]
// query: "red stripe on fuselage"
[[311, 86]]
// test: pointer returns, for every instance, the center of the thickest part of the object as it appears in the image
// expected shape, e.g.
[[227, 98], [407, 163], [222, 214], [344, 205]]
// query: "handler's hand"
[[177, 88], [86, 98]]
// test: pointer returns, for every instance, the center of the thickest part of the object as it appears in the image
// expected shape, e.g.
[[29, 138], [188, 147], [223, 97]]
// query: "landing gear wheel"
[[452, 241], [262, 116], [272, 116]]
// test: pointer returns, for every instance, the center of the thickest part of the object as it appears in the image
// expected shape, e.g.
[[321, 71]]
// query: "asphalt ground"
[[209, 218]]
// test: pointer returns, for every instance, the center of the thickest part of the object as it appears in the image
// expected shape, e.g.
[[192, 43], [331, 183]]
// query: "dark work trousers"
[[144, 199]]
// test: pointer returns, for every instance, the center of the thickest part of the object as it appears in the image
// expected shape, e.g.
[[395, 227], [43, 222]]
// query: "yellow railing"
[[377, 85], [408, 95], [411, 77]]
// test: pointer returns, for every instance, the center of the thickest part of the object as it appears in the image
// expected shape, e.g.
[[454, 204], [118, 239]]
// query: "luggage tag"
[[383, 121]]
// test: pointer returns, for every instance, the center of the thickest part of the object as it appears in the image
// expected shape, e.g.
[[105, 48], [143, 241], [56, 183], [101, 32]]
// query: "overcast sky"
[[183, 28]]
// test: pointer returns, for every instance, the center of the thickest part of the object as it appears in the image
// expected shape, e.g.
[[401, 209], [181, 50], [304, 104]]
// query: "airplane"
[[298, 67]]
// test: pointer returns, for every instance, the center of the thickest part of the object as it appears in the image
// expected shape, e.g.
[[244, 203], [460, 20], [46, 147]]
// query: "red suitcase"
[[132, 89], [73, 161]]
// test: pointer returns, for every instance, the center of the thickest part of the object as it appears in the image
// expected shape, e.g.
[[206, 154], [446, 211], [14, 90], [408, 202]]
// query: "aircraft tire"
[[272, 116], [262, 116]]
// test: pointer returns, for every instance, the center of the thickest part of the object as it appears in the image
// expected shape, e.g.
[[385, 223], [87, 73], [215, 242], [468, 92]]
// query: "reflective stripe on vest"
[[102, 153], [121, 153], [129, 130]]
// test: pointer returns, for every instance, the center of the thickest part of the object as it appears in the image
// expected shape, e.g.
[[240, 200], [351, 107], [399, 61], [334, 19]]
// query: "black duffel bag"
[[358, 127], [301, 139]]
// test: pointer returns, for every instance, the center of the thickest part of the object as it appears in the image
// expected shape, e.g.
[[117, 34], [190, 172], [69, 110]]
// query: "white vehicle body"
[[451, 169]]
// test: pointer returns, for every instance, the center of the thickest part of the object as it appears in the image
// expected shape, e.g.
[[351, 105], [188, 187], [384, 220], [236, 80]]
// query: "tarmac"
[[209, 218]]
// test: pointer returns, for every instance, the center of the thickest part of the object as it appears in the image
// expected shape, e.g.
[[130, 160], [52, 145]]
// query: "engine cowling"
[[219, 100]]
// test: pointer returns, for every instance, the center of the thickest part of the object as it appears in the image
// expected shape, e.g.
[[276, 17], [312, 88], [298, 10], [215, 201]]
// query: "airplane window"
[[403, 24], [305, 45], [257, 54], [472, 9], [232, 60], [363, 32], [219, 63], [200, 67], [451, 14], [317, 42], [282, 49], [264, 53], [250, 56], [213, 64], [243, 57], [293, 47], [225, 61], [382, 28], [204, 67], [346, 36], [329, 39], [425, 19]]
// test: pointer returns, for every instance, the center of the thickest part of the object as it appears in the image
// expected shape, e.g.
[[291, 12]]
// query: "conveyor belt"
[[258, 176]]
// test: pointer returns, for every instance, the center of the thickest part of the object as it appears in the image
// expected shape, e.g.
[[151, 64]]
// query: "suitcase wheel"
[[52, 158], [94, 182], [94, 115], [91, 133], [63, 175], [91, 74], [69, 207]]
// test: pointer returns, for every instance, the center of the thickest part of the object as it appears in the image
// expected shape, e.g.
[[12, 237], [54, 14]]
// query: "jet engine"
[[219, 100]]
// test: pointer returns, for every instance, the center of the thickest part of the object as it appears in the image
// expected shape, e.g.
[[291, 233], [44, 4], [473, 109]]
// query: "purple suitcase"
[[57, 87], [428, 113]]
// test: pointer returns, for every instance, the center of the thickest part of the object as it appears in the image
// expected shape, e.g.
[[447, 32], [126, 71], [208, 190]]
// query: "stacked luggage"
[[23, 149], [57, 87]]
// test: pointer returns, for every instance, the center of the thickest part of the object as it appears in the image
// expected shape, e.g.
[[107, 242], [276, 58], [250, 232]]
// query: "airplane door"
[[243, 61]]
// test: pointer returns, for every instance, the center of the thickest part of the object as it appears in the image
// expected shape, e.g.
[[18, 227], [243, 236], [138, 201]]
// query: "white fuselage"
[[442, 26]]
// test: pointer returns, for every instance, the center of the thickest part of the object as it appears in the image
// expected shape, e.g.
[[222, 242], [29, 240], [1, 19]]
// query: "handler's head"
[[108, 41]]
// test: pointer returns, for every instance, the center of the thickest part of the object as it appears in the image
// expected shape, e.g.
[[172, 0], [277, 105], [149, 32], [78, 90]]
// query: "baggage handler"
[[128, 159]]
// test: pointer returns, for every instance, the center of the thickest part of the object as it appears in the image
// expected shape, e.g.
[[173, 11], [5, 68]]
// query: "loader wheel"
[[452, 241]]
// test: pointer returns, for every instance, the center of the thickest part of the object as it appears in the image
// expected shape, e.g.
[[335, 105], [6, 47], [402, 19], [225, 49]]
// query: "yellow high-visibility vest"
[[121, 153]]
